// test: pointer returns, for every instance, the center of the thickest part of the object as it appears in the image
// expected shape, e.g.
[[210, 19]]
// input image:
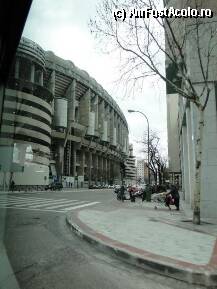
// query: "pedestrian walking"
[[12, 185], [175, 195], [132, 196]]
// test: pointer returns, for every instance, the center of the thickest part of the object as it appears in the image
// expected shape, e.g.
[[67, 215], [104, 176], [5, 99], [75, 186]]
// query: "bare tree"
[[147, 43], [157, 162]]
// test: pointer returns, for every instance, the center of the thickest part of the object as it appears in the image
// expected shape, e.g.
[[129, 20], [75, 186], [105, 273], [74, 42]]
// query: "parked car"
[[110, 186], [54, 187]]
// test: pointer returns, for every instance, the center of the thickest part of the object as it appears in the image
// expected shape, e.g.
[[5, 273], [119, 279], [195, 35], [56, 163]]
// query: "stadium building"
[[59, 124]]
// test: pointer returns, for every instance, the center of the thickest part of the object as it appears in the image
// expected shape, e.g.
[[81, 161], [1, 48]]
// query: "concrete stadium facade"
[[59, 123]]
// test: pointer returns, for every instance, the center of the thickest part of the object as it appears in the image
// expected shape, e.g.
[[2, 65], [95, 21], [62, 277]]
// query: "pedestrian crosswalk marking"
[[27, 198], [43, 204], [20, 203], [49, 203], [64, 205], [81, 206]]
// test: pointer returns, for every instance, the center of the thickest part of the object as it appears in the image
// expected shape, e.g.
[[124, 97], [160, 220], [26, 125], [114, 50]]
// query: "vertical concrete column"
[[107, 117], [102, 169], [119, 131], [70, 95], [96, 110], [99, 169], [122, 135], [111, 125], [90, 160], [112, 170], [190, 155], [82, 162], [17, 68], [125, 140], [115, 129], [32, 76], [97, 166], [73, 161], [84, 108], [51, 87], [185, 164], [60, 152], [116, 171], [105, 170], [51, 84], [119, 170], [127, 143], [101, 115], [69, 160], [108, 170], [41, 81]]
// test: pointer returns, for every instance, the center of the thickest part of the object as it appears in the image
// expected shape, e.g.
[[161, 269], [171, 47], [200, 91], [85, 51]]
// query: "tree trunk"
[[199, 149], [155, 178], [160, 177]]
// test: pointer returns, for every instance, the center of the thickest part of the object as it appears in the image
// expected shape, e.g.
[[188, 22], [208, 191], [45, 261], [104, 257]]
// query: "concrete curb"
[[199, 275]]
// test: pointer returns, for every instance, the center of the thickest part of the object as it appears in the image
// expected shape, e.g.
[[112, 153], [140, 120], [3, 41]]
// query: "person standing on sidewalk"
[[12, 185], [122, 189], [132, 197], [173, 198], [175, 195]]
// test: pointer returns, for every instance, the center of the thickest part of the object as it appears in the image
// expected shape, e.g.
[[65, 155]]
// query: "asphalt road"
[[45, 254]]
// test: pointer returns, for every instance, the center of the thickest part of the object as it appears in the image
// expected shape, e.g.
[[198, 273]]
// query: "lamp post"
[[131, 111]]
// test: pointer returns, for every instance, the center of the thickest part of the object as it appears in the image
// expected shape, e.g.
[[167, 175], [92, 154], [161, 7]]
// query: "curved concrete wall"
[[92, 140]]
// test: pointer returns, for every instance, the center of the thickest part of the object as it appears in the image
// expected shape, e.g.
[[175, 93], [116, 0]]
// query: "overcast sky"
[[62, 26]]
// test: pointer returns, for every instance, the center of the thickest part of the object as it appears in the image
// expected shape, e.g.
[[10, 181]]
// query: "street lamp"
[[131, 111]]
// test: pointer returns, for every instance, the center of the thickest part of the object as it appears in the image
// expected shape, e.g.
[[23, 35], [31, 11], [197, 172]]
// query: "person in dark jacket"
[[12, 185], [132, 197], [122, 189], [173, 198], [175, 195]]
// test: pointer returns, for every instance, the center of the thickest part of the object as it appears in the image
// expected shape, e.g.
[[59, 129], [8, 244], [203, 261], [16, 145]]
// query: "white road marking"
[[28, 198], [64, 205], [18, 202], [54, 202], [42, 204], [81, 206]]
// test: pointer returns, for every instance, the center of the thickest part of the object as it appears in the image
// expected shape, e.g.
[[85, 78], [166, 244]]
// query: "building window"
[[25, 69], [38, 72]]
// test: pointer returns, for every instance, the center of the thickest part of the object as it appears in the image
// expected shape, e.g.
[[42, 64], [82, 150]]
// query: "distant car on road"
[[54, 187]]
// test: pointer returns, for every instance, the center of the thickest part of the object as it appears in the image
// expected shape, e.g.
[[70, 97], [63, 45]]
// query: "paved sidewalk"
[[151, 236]]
